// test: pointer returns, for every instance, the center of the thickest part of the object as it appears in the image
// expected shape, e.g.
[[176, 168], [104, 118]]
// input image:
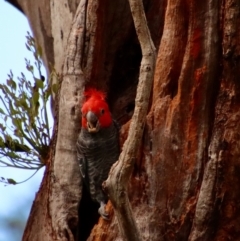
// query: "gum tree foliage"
[[25, 132]]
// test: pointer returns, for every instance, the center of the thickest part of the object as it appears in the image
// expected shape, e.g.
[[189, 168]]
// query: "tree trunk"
[[184, 182]]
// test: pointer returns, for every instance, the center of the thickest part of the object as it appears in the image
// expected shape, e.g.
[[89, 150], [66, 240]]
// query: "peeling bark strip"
[[66, 187], [116, 184], [202, 224], [206, 203]]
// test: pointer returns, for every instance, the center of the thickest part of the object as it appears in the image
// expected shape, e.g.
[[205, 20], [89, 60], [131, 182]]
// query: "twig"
[[117, 182]]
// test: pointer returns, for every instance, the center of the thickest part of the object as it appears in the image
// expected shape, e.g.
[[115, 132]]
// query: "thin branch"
[[29, 177], [117, 182], [6, 180]]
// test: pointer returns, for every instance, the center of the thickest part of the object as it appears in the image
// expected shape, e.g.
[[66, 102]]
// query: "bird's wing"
[[81, 160]]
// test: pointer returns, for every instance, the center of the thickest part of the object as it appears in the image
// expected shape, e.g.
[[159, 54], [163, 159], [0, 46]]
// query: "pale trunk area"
[[184, 184]]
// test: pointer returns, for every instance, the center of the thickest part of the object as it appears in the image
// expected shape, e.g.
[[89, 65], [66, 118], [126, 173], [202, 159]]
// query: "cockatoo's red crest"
[[93, 93], [95, 103]]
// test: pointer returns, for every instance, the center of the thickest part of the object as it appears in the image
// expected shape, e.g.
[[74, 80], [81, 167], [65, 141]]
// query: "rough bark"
[[184, 181], [66, 185]]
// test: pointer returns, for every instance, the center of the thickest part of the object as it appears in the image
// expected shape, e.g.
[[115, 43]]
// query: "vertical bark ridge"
[[184, 138], [66, 186], [226, 127], [206, 205]]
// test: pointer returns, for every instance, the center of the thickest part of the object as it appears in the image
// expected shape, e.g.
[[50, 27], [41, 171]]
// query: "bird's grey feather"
[[96, 152]]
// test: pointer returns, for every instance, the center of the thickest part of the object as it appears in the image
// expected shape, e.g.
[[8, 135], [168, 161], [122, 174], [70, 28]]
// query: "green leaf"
[[30, 68], [12, 154], [35, 97], [2, 111], [39, 83], [16, 122], [12, 84], [2, 127], [55, 88], [39, 51], [13, 111], [27, 46], [8, 93], [2, 145], [11, 181], [47, 93], [23, 103]]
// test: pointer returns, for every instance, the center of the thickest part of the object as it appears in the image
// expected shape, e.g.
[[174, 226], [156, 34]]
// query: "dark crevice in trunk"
[[87, 214], [124, 80]]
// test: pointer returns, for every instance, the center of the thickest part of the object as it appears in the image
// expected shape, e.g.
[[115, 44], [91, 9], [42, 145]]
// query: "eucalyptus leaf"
[[39, 51], [35, 97], [55, 88], [12, 154], [16, 122], [11, 181], [2, 111], [39, 83], [22, 102]]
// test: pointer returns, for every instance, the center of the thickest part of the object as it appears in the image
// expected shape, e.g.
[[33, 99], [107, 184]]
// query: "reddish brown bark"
[[39, 215]]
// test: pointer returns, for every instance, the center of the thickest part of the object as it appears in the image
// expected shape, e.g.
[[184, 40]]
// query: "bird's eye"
[[102, 111]]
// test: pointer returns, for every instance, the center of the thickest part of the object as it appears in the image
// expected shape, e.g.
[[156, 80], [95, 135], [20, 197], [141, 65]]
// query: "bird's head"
[[95, 111]]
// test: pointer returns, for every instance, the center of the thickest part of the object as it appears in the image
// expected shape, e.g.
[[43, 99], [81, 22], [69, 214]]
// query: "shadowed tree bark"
[[184, 184]]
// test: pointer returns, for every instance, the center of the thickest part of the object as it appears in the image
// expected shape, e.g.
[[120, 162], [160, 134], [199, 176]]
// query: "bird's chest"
[[96, 145]]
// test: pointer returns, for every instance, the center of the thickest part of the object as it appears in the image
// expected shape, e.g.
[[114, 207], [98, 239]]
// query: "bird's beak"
[[92, 122]]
